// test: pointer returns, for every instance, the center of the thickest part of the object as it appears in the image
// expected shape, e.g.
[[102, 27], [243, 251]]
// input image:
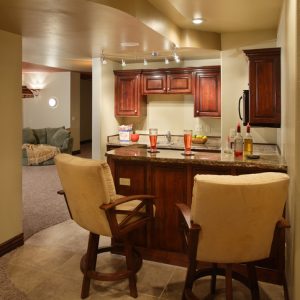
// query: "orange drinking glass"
[[153, 139], [187, 137]]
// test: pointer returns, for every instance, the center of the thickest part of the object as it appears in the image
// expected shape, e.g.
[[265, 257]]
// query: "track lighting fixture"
[[123, 63], [102, 59], [145, 62]]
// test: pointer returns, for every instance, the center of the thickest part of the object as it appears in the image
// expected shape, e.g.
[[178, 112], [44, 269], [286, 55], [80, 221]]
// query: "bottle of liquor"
[[248, 142], [238, 142]]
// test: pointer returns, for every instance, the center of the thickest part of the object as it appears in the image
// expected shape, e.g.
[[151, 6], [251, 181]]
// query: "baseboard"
[[76, 152], [85, 142], [12, 244]]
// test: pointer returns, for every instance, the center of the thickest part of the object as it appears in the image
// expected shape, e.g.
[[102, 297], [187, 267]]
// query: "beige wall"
[[11, 130], [103, 121], [36, 111], [234, 78], [289, 135]]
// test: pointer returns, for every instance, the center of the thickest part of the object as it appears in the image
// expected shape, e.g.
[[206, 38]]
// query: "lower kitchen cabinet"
[[172, 183]]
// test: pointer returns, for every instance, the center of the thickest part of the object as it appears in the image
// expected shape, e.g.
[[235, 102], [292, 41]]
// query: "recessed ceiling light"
[[198, 20], [129, 44]]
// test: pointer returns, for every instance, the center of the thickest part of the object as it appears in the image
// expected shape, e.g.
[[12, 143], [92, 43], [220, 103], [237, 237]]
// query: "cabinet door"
[[179, 83], [264, 84], [164, 185], [207, 92], [128, 101], [154, 83]]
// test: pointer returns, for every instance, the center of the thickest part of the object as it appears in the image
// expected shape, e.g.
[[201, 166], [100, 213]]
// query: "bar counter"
[[169, 176], [268, 162]]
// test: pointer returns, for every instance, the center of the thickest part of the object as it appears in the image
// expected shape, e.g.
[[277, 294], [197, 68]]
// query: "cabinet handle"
[[135, 111], [197, 111]]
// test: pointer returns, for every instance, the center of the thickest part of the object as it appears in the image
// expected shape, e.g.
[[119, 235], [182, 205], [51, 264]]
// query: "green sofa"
[[58, 137]]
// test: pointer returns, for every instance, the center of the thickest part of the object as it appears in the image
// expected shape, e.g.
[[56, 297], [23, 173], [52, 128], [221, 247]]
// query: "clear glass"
[[187, 137], [153, 139]]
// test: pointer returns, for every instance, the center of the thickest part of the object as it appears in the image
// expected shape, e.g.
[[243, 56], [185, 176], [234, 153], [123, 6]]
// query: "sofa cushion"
[[50, 132], [40, 135], [59, 137], [28, 136]]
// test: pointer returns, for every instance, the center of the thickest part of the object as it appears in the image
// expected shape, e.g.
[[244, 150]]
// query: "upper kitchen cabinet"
[[207, 92], [167, 81], [129, 102], [264, 85]]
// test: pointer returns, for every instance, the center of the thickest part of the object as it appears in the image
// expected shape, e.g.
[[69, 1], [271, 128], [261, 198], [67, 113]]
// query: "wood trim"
[[12, 244], [86, 141]]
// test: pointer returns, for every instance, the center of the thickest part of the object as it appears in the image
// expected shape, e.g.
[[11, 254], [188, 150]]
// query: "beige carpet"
[[42, 206]]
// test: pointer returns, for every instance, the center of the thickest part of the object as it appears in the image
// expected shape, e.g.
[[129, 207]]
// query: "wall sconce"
[[35, 92], [29, 93]]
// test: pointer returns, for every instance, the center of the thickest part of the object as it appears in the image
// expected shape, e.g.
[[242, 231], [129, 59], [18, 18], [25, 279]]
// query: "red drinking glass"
[[153, 139], [187, 137]]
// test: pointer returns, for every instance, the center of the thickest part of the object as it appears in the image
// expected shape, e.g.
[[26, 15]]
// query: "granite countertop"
[[270, 161]]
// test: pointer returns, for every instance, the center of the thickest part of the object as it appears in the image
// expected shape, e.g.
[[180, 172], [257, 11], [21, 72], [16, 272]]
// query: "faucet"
[[169, 136]]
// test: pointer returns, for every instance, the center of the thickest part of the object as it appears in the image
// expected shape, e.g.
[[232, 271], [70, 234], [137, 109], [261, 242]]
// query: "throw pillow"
[[28, 136], [40, 135], [50, 132], [59, 137]]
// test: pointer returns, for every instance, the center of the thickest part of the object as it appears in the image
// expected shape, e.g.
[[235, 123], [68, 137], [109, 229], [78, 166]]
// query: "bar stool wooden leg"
[[91, 259], [130, 267], [213, 279], [228, 279], [253, 281]]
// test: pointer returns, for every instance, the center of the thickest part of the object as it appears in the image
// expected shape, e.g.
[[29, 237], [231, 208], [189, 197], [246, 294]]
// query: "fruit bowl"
[[199, 140]]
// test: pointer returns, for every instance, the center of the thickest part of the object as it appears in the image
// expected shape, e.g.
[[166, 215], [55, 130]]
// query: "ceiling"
[[67, 34]]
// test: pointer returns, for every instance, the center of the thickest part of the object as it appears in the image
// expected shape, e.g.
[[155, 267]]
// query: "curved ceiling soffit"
[[150, 16]]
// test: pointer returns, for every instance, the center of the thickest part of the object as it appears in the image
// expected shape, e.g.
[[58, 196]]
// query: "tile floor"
[[47, 267]]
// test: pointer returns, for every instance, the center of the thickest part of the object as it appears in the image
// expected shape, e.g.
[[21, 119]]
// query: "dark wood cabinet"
[[264, 85], [168, 81], [133, 86], [207, 92], [128, 98]]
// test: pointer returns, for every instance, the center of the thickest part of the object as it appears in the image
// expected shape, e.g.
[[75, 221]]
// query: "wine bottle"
[[238, 142], [248, 142]]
